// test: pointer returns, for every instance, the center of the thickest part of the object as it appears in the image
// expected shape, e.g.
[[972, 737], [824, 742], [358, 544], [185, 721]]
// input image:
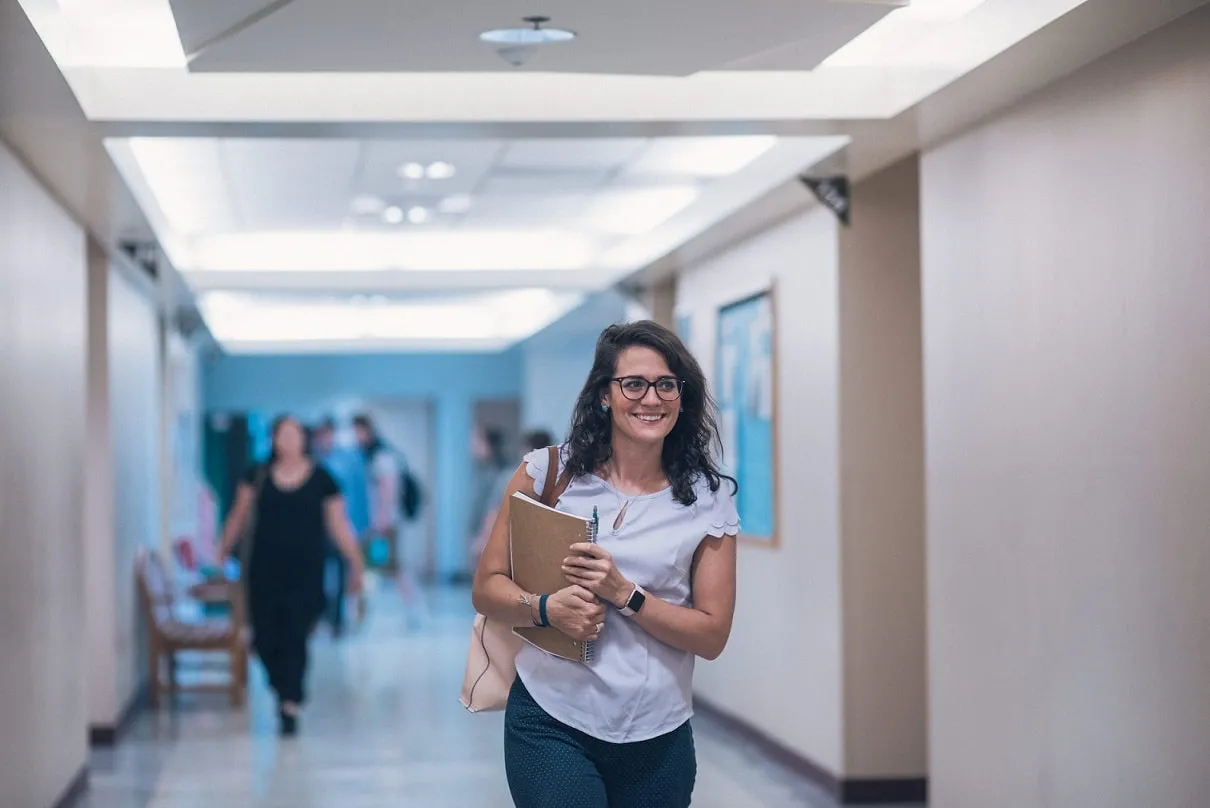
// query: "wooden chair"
[[168, 635]]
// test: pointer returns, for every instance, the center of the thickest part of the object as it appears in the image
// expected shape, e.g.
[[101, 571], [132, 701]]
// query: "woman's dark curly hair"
[[689, 449]]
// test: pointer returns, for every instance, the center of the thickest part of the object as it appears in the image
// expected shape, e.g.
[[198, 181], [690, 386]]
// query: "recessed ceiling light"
[[418, 215], [367, 205], [411, 171], [535, 35], [440, 171], [455, 203], [393, 215]]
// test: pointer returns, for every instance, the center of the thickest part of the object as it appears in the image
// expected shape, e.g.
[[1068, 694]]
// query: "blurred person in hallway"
[[344, 468], [492, 471], [385, 468], [656, 591], [294, 506], [534, 439]]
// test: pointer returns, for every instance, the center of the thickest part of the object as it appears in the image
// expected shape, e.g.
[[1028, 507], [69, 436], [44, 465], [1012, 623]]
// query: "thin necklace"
[[623, 507]]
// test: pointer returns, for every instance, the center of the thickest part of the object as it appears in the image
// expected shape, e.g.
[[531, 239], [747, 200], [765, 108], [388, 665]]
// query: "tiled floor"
[[384, 729]]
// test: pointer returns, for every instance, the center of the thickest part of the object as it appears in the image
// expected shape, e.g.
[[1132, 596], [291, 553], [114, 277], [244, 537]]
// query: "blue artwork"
[[744, 388]]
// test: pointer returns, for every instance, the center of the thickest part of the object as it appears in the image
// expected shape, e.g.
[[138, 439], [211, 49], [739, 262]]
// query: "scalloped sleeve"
[[723, 518], [535, 465]]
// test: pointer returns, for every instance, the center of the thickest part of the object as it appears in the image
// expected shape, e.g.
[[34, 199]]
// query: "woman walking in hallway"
[[295, 506], [656, 591]]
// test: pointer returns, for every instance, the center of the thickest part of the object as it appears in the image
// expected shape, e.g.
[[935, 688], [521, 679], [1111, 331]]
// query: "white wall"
[[135, 418], [182, 438], [42, 373], [1067, 347], [124, 482], [782, 668]]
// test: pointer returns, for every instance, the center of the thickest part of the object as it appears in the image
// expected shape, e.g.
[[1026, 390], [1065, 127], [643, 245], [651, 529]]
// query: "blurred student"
[[531, 441], [343, 469], [384, 472], [295, 506]]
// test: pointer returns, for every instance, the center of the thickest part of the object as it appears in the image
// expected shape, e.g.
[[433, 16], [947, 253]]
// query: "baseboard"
[[75, 790], [846, 791], [110, 734]]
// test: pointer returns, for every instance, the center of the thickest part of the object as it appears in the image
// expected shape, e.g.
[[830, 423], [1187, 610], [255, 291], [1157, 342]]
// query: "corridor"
[[384, 729]]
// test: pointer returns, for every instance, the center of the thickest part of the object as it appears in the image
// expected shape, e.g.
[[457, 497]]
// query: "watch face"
[[636, 601]]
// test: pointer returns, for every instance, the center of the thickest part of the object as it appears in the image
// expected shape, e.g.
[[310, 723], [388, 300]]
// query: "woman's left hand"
[[591, 566]]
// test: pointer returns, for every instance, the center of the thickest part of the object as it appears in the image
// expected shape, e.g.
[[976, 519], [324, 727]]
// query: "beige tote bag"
[[491, 658]]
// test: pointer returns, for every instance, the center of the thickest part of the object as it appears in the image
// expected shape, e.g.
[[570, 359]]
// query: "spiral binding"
[[588, 650]]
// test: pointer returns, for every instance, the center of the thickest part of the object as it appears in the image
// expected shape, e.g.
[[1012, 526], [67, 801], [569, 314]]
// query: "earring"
[[604, 407]]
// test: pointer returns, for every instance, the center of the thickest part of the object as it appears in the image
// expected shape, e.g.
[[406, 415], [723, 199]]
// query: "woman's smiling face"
[[651, 417]]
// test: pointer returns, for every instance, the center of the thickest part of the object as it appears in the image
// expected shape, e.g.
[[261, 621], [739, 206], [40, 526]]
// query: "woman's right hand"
[[577, 613]]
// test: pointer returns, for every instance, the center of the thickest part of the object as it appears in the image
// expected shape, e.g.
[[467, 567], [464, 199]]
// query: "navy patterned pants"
[[552, 765]]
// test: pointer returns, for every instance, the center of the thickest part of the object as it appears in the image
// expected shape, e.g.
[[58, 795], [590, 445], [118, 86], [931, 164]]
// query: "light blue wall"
[[556, 362], [312, 386]]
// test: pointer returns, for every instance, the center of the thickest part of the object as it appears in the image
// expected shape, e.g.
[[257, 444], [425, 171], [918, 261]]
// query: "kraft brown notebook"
[[539, 539]]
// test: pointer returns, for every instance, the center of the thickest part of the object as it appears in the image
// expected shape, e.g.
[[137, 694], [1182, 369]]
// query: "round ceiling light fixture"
[[518, 45], [536, 35]]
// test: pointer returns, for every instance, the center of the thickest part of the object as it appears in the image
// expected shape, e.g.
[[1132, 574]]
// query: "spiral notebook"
[[539, 538]]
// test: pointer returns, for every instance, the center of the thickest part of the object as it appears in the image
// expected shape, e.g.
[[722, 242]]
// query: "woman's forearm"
[[498, 598], [231, 532], [683, 627], [347, 544]]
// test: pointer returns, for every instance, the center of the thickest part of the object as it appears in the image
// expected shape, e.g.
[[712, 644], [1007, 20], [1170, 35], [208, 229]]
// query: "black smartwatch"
[[635, 602]]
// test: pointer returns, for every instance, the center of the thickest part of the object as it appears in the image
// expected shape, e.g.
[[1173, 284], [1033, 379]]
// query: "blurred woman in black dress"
[[296, 506]]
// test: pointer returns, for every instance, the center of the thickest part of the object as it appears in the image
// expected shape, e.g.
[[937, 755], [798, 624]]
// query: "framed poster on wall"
[[745, 386]]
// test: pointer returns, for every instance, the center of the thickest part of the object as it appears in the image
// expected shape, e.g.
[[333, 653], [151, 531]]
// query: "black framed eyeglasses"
[[668, 388]]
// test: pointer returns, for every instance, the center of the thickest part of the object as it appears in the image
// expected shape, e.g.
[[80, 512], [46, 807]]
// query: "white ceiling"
[[125, 61], [669, 37], [282, 210], [253, 195]]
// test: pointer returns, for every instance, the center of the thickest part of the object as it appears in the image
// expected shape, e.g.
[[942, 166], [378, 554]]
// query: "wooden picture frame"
[[745, 377]]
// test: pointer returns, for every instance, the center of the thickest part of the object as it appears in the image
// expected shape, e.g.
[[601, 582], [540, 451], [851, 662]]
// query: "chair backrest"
[[155, 590]]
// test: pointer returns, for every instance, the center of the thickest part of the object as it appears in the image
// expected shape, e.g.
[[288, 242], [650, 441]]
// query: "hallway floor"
[[383, 729]]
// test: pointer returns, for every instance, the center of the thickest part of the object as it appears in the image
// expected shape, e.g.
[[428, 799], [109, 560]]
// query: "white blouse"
[[636, 687]]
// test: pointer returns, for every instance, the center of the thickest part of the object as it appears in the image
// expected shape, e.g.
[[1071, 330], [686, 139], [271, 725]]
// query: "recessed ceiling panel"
[[669, 37]]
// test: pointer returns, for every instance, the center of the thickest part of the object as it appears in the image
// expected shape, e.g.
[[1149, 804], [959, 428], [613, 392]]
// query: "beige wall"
[[42, 374], [103, 707], [882, 480], [781, 671], [1067, 344]]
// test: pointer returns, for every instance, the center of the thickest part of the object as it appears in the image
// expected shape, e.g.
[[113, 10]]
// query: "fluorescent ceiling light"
[[906, 36], [707, 157], [498, 319], [440, 170], [367, 205], [338, 251], [411, 171], [456, 203], [634, 213], [109, 33], [187, 184]]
